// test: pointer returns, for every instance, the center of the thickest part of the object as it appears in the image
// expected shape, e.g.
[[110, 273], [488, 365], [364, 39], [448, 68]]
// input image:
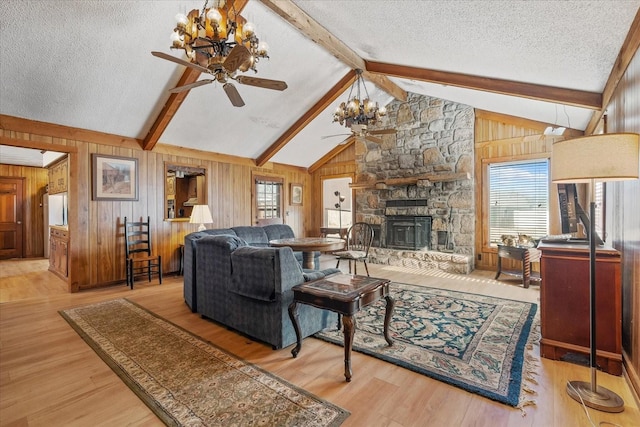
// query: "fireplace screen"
[[408, 232]]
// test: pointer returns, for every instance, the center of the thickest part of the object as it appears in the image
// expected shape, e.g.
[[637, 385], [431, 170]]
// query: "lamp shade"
[[201, 215], [605, 157]]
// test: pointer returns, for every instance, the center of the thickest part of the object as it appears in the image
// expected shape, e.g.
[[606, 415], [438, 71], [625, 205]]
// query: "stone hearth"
[[424, 260]]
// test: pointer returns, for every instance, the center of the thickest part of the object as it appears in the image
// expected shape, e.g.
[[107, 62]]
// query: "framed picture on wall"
[[295, 195], [114, 178]]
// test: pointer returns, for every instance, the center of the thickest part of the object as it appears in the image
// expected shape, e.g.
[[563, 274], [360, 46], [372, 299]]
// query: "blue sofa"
[[246, 285]]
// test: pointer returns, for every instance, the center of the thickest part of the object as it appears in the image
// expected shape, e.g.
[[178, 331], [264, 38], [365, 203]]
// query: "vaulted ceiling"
[[88, 65]]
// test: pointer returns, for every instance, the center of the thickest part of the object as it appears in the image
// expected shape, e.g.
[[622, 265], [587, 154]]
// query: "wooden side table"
[[342, 232], [344, 294], [522, 254]]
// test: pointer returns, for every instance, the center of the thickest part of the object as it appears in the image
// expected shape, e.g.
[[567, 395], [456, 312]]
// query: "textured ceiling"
[[87, 64]]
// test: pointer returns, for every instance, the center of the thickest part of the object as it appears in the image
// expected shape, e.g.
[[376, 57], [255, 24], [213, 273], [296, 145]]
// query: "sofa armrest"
[[310, 275], [264, 273]]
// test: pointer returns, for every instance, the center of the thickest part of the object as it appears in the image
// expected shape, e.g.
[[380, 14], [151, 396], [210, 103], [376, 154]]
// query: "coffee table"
[[308, 245], [344, 294]]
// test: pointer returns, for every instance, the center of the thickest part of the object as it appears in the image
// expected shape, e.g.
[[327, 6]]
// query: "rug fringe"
[[530, 372], [525, 403]]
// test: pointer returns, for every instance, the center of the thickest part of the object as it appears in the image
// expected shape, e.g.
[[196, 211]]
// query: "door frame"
[[75, 243]]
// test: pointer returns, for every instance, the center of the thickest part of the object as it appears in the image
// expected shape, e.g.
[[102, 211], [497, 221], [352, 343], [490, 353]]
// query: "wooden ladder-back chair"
[[139, 259], [359, 239]]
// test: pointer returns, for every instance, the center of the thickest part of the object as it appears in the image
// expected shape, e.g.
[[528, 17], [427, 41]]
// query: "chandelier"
[[209, 36], [358, 111]]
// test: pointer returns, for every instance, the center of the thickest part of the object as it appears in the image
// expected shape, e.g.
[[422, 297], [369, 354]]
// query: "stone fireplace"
[[416, 188]]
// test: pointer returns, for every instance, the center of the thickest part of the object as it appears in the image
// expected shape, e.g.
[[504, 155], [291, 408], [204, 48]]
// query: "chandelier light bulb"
[[214, 17], [263, 49], [182, 20], [248, 30], [176, 39], [353, 107], [382, 111]]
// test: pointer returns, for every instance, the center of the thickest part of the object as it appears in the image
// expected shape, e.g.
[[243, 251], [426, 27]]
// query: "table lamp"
[[597, 158], [201, 215]]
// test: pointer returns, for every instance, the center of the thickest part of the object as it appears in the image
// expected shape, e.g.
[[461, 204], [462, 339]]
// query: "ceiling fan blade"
[[238, 56], [191, 85], [180, 61], [264, 83], [382, 131], [233, 95], [373, 139], [347, 140], [338, 134]]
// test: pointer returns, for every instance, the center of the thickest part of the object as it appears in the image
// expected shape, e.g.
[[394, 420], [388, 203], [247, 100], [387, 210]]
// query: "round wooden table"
[[308, 245]]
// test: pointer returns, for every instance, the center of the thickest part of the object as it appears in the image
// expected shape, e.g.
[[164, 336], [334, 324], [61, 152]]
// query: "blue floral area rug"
[[474, 342]]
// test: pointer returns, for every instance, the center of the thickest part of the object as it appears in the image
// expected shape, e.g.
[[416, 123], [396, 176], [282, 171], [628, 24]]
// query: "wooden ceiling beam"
[[316, 32], [169, 110], [331, 154], [576, 98], [629, 48], [307, 117], [172, 105]]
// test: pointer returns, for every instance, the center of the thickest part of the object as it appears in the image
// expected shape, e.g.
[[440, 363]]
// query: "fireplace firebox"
[[408, 232]]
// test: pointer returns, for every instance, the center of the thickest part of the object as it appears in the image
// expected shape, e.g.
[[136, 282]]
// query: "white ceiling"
[[87, 64]]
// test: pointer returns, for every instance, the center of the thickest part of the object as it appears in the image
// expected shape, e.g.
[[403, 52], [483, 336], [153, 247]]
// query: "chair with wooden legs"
[[359, 240], [139, 259]]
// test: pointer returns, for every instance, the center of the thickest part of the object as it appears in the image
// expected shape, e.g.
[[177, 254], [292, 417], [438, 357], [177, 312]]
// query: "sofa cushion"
[[278, 231], [254, 236], [258, 273]]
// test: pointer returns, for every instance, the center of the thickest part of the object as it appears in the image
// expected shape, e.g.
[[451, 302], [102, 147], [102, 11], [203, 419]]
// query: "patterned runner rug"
[[474, 342], [188, 381]]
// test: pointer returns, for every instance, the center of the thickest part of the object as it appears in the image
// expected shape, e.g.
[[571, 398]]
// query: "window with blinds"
[[518, 199]]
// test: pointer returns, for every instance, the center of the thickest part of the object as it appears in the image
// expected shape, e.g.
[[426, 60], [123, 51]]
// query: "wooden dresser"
[[564, 304]]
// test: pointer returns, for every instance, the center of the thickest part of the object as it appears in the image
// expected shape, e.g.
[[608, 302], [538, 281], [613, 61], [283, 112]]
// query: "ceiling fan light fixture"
[[213, 32], [356, 111]]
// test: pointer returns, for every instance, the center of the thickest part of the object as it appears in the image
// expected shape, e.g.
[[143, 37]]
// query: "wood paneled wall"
[[95, 227], [623, 218], [35, 179]]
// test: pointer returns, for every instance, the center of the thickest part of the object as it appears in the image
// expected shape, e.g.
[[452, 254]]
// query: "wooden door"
[[268, 200], [11, 227]]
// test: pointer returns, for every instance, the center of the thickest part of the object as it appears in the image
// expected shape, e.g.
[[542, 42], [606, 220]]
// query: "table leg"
[[499, 267], [349, 331], [526, 269], [307, 260], [293, 314], [387, 318]]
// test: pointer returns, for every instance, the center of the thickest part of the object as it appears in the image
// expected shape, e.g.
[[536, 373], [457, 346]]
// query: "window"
[[268, 200], [600, 218], [518, 199]]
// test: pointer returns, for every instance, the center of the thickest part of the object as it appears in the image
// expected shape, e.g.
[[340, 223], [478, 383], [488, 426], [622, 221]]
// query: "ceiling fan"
[[224, 71], [362, 131]]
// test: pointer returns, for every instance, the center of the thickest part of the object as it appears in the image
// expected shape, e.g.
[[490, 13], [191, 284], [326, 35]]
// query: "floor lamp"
[[598, 158]]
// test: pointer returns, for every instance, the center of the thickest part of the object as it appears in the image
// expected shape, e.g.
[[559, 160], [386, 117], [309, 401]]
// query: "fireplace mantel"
[[421, 180]]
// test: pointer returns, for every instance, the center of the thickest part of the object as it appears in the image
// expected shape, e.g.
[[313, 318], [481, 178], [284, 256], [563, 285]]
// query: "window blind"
[[518, 199]]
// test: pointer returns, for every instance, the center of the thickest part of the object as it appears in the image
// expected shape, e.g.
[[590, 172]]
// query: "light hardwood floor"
[[50, 377]]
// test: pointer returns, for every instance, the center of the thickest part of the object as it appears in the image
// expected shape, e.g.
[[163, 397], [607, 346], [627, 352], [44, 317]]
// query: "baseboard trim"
[[632, 377]]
